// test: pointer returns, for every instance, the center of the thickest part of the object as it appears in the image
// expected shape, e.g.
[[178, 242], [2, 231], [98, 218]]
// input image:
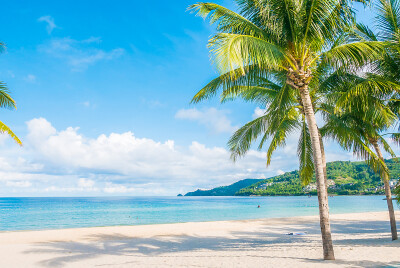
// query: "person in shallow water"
[[258, 206]]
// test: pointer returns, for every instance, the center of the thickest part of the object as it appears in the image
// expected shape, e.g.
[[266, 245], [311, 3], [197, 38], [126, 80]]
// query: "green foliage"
[[350, 178], [286, 184], [7, 102], [259, 50]]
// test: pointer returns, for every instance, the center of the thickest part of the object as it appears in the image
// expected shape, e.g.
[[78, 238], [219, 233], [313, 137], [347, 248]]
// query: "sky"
[[103, 93]]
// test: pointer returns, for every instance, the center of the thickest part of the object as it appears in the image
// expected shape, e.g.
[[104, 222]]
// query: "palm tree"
[[388, 24], [388, 27], [289, 38], [364, 110], [6, 102]]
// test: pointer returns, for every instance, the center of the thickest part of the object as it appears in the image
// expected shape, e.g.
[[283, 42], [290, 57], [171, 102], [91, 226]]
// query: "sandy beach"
[[360, 239]]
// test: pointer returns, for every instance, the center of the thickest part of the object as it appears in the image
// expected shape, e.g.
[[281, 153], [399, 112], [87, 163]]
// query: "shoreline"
[[360, 240], [151, 224]]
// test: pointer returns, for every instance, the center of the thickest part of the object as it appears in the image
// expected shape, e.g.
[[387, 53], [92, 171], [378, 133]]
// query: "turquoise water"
[[55, 213]]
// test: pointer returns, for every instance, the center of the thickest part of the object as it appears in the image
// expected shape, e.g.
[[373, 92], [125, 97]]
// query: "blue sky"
[[103, 94]]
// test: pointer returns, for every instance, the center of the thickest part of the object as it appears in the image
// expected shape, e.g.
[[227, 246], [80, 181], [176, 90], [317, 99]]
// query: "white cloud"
[[3, 138], [280, 172], [85, 183], [261, 177], [333, 155], [19, 184], [79, 54], [124, 153], [39, 129], [94, 56], [30, 78], [65, 162], [112, 189], [214, 119], [49, 20], [258, 112], [63, 190]]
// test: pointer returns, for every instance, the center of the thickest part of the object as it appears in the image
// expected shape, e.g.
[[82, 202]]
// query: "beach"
[[360, 240]]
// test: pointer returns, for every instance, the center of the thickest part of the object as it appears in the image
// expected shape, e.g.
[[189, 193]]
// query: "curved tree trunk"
[[388, 193], [320, 174]]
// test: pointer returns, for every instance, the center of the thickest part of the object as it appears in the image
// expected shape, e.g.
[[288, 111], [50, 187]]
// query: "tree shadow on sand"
[[271, 239]]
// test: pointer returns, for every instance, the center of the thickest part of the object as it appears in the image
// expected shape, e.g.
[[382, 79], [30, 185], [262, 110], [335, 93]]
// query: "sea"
[[33, 213]]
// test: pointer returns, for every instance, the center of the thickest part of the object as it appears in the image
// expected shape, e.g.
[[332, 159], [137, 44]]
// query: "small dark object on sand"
[[299, 233]]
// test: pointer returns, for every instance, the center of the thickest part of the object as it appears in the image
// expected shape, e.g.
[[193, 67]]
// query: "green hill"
[[344, 178], [224, 190]]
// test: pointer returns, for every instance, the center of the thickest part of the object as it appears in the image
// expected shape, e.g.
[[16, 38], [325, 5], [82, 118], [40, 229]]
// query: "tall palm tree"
[[289, 37], [388, 24], [388, 30], [7, 102], [360, 118]]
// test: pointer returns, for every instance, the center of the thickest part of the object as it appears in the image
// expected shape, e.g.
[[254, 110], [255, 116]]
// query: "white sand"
[[360, 240]]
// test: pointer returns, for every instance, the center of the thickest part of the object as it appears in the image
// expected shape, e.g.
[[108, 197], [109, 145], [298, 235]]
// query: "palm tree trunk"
[[388, 193], [320, 175], [323, 159]]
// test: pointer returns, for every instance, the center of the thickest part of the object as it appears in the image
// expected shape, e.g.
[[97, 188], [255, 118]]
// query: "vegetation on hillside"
[[350, 178]]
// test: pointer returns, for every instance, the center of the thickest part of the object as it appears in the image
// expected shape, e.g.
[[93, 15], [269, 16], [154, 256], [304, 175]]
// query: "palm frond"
[[232, 51], [5, 129], [226, 81], [260, 95], [241, 140], [305, 154], [386, 146], [362, 32], [6, 101], [388, 18], [226, 20], [280, 134], [354, 54]]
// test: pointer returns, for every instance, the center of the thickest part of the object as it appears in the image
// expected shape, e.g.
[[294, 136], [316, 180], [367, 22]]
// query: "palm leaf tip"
[[6, 130], [201, 95], [201, 9]]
